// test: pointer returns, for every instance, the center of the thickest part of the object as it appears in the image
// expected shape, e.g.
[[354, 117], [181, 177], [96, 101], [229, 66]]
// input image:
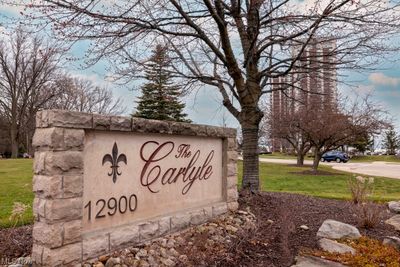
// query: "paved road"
[[377, 168]]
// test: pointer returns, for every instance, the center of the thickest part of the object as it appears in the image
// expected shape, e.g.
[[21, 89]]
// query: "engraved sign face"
[[133, 177]]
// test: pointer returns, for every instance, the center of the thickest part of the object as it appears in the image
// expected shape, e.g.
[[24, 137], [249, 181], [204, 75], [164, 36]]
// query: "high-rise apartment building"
[[310, 85]]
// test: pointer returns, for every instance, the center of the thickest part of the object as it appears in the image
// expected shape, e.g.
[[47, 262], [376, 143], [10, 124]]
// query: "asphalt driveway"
[[377, 168]]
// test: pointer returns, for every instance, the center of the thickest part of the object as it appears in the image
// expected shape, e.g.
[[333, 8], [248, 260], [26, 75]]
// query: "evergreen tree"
[[363, 142], [391, 141], [160, 96]]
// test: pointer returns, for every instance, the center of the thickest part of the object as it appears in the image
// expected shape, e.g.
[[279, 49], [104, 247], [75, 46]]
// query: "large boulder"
[[394, 206], [336, 230], [310, 261], [393, 241], [334, 247], [394, 221]]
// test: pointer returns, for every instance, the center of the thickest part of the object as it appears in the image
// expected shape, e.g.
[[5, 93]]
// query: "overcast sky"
[[204, 106]]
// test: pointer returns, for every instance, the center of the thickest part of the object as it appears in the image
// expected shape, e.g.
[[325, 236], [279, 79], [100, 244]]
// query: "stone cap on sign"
[[79, 120]]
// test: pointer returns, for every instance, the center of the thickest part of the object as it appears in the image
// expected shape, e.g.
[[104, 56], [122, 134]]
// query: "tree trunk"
[[300, 154], [300, 158], [250, 160], [317, 158], [14, 141], [250, 125]]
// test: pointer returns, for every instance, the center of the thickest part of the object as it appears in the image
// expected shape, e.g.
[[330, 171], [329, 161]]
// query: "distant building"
[[311, 82]]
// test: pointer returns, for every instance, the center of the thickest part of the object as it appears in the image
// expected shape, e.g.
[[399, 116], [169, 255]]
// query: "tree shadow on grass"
[[317, 173]]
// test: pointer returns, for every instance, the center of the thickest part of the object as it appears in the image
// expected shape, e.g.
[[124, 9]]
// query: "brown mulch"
[[15, 242], [272, 244], [276, 244]]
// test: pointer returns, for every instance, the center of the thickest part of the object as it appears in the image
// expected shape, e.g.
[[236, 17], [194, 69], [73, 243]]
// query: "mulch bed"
[[276, 244], [15, 242], [270, 244]]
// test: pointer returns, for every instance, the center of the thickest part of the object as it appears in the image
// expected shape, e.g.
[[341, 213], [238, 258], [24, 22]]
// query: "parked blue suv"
[[337, 156]]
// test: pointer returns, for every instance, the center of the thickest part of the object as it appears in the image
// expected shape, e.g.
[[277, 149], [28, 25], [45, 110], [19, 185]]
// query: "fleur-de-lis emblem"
[[114, 159]]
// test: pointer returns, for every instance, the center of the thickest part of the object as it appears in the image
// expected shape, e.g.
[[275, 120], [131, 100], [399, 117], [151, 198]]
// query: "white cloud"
[[308, 5], [364, 89], [382, 79], [12, 9], [94, 78]]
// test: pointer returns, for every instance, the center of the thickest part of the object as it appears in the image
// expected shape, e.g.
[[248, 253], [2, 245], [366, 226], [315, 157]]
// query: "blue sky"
[[204, 106], [383, 84]]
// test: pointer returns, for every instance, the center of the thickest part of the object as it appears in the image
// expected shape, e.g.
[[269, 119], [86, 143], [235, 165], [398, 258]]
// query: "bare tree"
[[78, 94], [285, 126], [28, 67], [235, 46], [330, 129]]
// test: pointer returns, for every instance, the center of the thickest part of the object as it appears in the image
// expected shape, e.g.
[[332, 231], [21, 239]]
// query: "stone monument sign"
[[105, 182]]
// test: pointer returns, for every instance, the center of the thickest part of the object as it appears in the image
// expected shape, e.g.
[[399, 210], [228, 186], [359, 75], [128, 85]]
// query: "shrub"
[[360, 188], [18, 212], [369, 214]]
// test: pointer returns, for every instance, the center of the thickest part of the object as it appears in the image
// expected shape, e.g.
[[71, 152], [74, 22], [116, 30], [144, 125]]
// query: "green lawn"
[[282, 178], [15, 186], [278, 155], [375, 158]]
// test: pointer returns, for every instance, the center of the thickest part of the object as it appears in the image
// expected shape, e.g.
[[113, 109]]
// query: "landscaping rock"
[[112, 262], [334, 247], [395, 222], [143, 263], [182, 241], [168, 262], [170, 243], [393, 241], [310, 261], [304, 227], [183, 258], [231, 228], [165, 251], [173, 252], [336, 230], [141, 253], [104, 258], [394, 206], [152, 261]]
